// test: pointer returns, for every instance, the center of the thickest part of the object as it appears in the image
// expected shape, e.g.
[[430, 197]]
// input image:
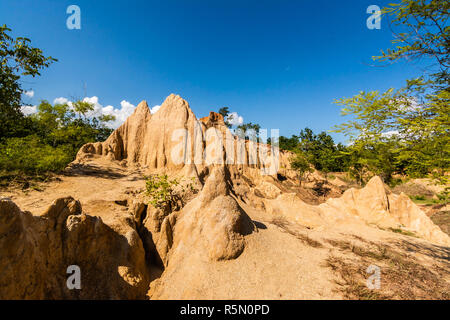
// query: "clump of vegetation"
[[442, 219], [227, 117], [444, 196], [398, 132], [245, 130], [18, 59], [404, 232], [420, 198], [406, 131], [32, 156], [165, 193], [318, 151], [300, 164]]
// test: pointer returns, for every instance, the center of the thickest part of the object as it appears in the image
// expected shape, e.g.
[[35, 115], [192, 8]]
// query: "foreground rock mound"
[[35, 252], [212, 224]]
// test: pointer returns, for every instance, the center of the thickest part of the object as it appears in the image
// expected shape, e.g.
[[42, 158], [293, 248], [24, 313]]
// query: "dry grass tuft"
[[401, 276], [282, 223]]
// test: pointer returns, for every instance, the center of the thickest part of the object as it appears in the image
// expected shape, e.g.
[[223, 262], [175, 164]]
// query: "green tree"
[[226, 116], [425, 33], [322, 152], [300, 164], [61, 124], [18, 59], [249, 130], [419, 120]]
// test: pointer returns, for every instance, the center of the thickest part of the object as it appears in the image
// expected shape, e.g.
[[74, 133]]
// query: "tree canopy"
[[18, 59]]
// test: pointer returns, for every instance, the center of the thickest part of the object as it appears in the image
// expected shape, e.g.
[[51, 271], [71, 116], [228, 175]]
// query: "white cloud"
[[235, 119], [62, 100], [29, 94], [154, 109], [27, 110], [126, 109], [121, 114]]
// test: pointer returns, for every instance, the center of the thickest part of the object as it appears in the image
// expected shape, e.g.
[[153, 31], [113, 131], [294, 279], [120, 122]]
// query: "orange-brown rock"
[[173, 139], [35, 252]]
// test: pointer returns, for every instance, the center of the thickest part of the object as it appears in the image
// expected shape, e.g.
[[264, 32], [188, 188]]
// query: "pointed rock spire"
[[142, 108]]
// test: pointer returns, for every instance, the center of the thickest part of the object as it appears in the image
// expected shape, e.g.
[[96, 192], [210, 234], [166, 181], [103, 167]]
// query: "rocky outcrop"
[[210, 228], [173, 139], [371, 205], [36, 251], [212, 223]]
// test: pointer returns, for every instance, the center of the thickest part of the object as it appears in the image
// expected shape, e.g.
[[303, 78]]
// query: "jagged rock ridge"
[[173, 139]]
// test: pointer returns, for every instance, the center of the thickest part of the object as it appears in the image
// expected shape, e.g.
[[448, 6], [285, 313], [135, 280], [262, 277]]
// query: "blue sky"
[[276, 63]]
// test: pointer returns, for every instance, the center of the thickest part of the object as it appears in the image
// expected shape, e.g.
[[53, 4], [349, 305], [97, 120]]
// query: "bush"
[[300, 164], [161, 190], [444, 195], [165, 193], [30, 155], [59, 131]]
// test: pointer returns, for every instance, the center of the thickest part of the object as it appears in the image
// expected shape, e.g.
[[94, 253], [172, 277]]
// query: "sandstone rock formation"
[[145, 140], [173, 139], [370, 205], [35, 252], [213, 222], [120, 257]]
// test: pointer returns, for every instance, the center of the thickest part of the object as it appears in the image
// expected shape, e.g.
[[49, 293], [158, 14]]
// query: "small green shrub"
[[404, 232], [444, 195], [395, 182], [162, 191]]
